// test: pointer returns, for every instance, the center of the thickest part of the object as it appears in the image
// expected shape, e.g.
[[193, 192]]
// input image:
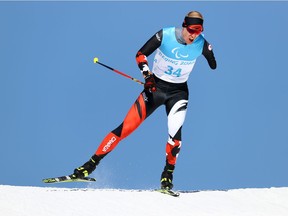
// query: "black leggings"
[[173, 96]]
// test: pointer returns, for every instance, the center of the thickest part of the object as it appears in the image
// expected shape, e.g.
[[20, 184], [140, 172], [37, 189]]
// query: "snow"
[[54, 201]]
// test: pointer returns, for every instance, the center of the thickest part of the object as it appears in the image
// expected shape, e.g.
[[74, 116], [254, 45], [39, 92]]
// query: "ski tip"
[[49, 180]]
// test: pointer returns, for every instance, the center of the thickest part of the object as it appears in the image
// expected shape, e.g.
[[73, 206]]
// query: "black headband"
[[192, 21]]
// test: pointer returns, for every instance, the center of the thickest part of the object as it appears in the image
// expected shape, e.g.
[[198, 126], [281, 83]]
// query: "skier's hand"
[[150, 84]]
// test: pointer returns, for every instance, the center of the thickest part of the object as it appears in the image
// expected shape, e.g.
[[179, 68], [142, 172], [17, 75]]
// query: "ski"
[[68, 178], [169, 192]]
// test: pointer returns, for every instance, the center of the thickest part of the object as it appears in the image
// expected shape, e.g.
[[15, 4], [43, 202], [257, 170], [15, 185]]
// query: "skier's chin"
[[190, 40]]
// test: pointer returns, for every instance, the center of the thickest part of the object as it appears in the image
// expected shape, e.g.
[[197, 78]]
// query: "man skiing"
[[166, 84]]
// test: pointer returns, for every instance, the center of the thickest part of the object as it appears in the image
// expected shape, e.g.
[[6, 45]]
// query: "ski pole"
[[119, 72]]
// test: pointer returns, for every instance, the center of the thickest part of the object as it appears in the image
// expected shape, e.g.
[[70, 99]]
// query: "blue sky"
[[57, 106]]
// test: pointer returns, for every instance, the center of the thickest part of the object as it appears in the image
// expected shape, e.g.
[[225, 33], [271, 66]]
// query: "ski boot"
[[167, 177], [87, 168]]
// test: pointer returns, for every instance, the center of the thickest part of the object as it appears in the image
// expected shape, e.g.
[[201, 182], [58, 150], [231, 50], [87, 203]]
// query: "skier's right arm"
[[141, 58], [147, 49]]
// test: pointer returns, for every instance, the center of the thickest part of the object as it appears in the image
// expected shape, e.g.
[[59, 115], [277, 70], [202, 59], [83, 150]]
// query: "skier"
[[166, 84]]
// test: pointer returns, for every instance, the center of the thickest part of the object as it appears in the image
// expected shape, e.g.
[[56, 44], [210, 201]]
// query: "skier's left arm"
[[209, 55]]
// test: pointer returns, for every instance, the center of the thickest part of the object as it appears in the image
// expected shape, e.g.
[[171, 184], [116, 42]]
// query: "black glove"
[[150, 84]]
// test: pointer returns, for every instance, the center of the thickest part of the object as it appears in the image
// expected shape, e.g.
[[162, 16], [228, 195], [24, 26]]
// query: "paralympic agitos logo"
[[178, 55]]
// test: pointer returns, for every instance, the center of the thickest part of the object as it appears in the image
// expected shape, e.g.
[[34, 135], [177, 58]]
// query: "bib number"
[[173, 72]]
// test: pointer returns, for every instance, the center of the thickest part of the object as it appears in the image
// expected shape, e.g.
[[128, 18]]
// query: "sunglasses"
[[194, 29]]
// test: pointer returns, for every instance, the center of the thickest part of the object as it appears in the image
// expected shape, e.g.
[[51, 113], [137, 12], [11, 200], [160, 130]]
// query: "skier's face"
[[190, 36]]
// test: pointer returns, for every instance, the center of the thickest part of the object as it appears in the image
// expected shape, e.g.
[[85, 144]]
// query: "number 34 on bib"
[[173, 72]]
